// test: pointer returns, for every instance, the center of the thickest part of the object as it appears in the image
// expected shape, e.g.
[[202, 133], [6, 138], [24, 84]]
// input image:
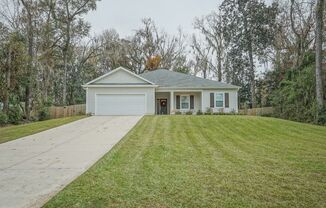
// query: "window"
[[219, 101], [184, 102]]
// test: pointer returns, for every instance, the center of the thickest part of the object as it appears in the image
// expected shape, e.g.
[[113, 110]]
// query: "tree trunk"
[[64, 94], [27, 101], [298, 37], [46, 84], [5, 108], [252, 77], [220, 50], [205, 69], [30, 67], [319, 41], [204, 73], [219, 67], [251, 63], [30, 73], [65, 62]]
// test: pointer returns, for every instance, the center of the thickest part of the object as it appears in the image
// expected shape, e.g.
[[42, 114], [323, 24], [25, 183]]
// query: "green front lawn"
[[15, 132], [207, 161]]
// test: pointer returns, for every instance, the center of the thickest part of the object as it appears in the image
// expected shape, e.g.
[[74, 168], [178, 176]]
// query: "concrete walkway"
[[36, 167]]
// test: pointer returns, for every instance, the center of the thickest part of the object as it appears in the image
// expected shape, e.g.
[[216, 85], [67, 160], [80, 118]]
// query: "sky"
[[169, 15], [125, 15]]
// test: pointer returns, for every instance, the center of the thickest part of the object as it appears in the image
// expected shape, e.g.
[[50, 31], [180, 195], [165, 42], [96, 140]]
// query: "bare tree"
[[149, 42], [211, 27], [5, 65], [68, 16], [112, 51], [10, 13], [302, 24], [172, 50], [319, 41], [30, 10], [202, 53]]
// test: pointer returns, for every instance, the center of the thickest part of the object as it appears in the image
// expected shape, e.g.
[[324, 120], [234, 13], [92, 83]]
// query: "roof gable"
[[120, 76], [170, 79]]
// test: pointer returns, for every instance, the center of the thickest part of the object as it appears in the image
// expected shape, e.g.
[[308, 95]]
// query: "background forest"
[[275, 52]]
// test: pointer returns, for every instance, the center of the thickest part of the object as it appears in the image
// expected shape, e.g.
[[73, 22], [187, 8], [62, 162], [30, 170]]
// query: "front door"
[[163, 107]]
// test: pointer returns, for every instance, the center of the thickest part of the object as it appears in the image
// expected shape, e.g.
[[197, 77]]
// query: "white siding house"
[[121, 92]]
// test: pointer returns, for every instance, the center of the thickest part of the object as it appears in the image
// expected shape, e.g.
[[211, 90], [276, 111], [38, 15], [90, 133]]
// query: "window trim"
[[223, 106], [188, 96]]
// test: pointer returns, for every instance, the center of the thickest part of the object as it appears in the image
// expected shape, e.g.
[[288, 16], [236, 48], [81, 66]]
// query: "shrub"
[[232, 112], [189, 113], [15, 114], [267, 115], [209, 111], [81, 113], [226, 113], [3, 118], [43, 114], [322, 116], [199, 112], [178, 113], [221, 113], [295, 96]]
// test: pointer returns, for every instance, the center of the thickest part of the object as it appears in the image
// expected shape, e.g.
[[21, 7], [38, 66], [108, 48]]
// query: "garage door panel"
[[120, 104]]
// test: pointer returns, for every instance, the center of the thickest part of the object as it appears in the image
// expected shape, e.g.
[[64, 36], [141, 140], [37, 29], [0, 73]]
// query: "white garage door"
[[120, 104]]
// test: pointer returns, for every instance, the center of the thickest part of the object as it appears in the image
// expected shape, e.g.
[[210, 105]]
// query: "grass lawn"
[[15, 132], [207, 161]]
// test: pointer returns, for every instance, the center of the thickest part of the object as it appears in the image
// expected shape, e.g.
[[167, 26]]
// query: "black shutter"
[[211, 100], [226, 95], [192, 102], [178, 101]]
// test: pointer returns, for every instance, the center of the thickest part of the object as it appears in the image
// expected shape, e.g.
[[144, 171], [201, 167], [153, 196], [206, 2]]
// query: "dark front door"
[[163, 106]]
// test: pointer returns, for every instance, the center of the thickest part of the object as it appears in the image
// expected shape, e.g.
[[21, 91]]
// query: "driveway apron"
[[36, 167]]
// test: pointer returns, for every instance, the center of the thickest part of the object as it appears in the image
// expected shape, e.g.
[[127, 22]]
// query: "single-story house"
[[122, 92]]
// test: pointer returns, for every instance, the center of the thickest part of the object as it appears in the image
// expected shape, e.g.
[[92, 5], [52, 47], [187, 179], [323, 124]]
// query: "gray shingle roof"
[[167, 78]]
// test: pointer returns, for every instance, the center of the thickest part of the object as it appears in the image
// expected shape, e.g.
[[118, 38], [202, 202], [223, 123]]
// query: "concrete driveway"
[[36, 167]]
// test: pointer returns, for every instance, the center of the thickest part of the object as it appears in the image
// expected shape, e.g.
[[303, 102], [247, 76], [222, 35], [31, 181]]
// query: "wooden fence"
[[73, 110], [66, 111], [257, 111]]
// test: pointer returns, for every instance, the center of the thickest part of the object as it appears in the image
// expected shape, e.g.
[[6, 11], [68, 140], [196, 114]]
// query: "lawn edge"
[[113, 149], [36, 132]]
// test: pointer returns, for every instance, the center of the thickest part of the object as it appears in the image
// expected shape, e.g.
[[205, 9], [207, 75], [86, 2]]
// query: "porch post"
[[171, 102], [202, 101]]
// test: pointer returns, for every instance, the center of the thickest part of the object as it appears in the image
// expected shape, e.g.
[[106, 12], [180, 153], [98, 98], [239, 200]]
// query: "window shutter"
[[211, 100], [178, 101], [192, 102], [226, 95]]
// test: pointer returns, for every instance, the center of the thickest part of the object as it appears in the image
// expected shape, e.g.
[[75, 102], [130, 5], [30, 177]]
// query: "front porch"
[[170, 102]]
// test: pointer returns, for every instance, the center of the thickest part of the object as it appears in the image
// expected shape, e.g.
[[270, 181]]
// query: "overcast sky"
[[125, 15]]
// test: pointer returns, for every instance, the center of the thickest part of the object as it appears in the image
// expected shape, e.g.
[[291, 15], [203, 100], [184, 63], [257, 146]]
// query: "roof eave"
[[115, 70], [115, 86], [203, 88]]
